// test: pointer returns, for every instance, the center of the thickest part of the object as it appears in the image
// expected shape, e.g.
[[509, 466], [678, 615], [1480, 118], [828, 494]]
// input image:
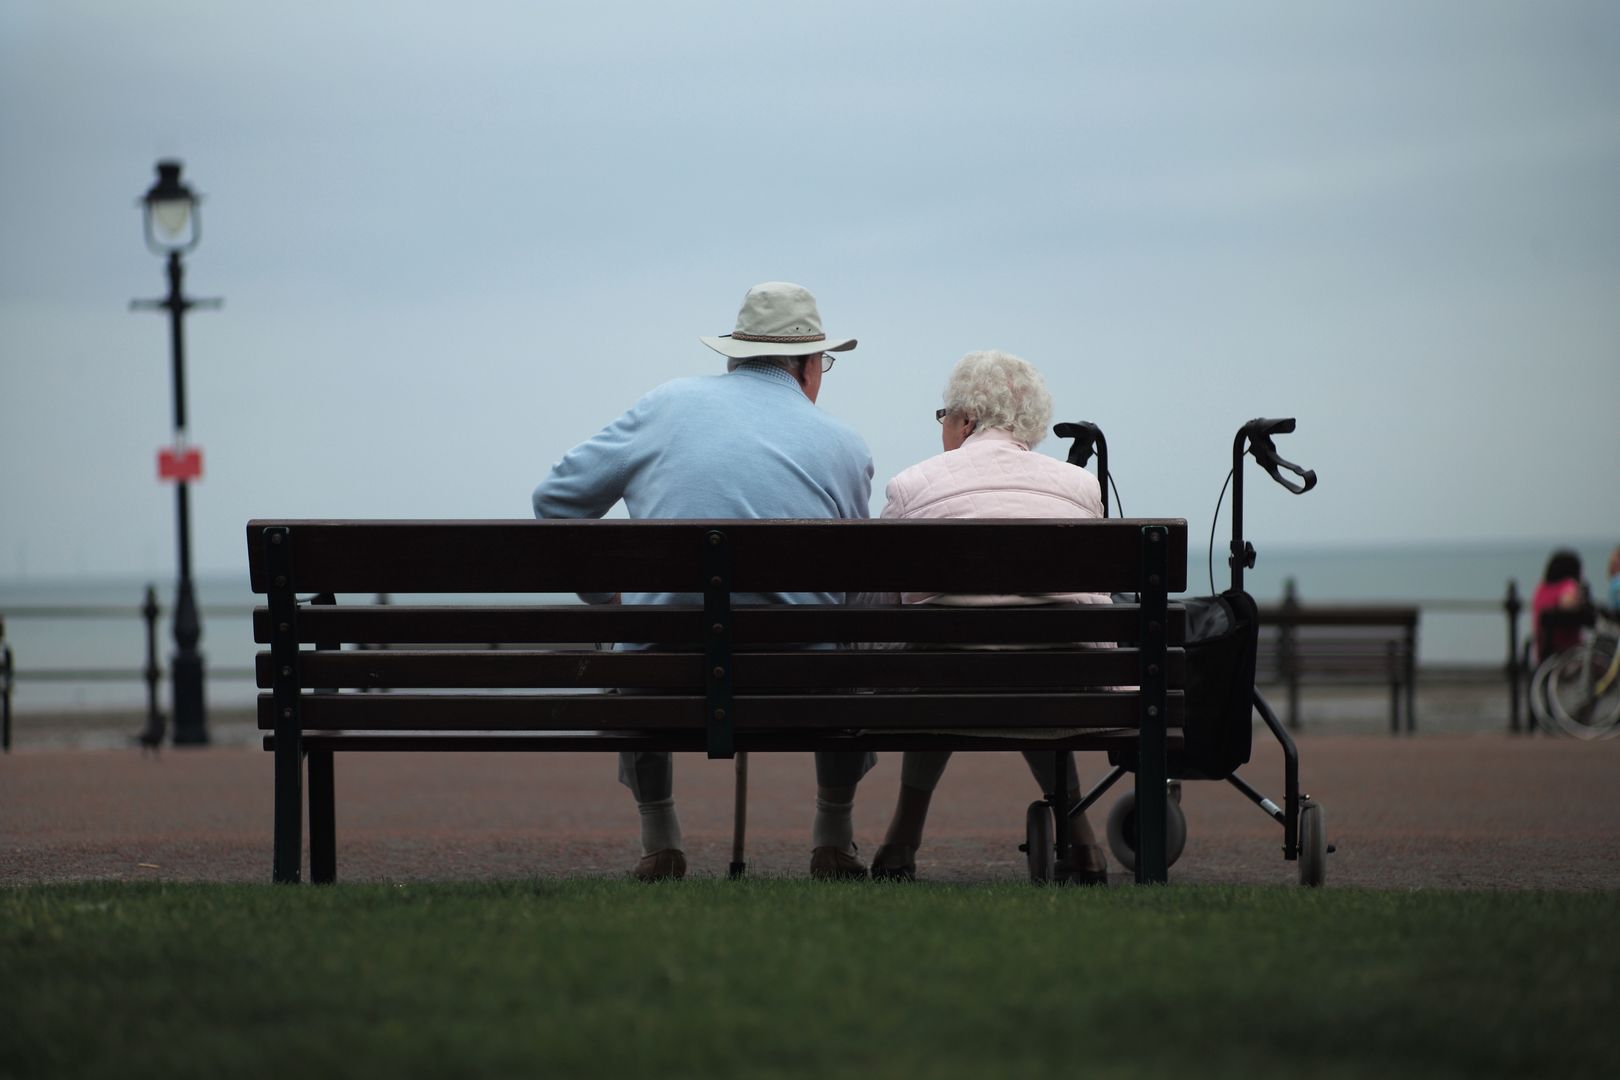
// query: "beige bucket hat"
[[777, 318]]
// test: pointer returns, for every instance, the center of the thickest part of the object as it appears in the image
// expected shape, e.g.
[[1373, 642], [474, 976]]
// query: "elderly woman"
[[996, 410]]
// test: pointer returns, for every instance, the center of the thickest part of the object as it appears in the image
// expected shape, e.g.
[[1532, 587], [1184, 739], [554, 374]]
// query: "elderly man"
[[746, 444]]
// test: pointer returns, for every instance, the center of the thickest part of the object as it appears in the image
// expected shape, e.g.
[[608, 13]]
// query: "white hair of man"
[[1000, 390], [789, 364]]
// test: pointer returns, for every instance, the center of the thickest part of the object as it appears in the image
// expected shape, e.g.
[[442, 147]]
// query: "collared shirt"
[[747, 444]]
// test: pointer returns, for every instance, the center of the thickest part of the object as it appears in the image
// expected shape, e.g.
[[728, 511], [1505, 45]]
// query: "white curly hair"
[[1001, 390]]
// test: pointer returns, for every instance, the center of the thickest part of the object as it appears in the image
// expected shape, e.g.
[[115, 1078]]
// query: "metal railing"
[[151, 672], [1513, 671]]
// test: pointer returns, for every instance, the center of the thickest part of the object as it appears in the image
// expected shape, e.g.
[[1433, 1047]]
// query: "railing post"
[[1513, 606], [152, 736], [1287, 658], [5, 690]]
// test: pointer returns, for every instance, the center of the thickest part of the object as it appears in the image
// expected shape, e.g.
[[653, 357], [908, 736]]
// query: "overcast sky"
[[456, 239]]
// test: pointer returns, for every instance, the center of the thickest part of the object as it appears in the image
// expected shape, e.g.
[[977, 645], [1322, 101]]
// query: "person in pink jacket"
[[996, 410]]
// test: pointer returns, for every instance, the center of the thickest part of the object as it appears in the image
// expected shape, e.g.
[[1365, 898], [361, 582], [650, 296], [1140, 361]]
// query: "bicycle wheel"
[[1582, 691], [1540, 711]]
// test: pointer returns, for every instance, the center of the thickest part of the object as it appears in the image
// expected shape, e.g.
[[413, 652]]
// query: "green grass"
[[792, 978]]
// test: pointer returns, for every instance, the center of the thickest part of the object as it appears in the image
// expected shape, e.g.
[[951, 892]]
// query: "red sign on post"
[[180, 464]]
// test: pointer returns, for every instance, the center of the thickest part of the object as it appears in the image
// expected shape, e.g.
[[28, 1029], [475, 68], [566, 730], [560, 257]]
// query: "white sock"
[[660, 828], [833, 827]]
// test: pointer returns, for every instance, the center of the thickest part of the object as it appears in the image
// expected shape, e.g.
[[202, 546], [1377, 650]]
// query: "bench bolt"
[[281, 581], [719, 714], [286, 671], [719, 672], [718, 628], [284, 627], [1153, 710]]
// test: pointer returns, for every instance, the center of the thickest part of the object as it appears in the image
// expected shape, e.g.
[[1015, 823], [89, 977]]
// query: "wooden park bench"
[[1342, 645], [718, 677]]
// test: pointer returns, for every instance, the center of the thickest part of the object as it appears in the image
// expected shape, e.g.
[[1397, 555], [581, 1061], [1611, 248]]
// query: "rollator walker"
[[1221, 642]]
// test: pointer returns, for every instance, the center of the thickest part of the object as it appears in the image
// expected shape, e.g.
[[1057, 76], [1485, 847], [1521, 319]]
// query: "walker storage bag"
[[1223, 634]]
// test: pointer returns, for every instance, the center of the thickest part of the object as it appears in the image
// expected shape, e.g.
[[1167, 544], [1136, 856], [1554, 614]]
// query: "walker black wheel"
[[1312, 845], [1039, 843], [1122, 829]]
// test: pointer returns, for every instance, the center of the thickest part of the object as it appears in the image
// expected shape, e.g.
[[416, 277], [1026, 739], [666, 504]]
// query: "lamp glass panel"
[[172, 217]]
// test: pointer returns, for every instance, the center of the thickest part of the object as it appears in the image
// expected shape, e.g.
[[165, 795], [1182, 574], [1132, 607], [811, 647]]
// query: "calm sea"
[[1459, 587]]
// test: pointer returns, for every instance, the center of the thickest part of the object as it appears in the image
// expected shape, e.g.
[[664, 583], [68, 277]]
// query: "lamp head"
[[170, 212]]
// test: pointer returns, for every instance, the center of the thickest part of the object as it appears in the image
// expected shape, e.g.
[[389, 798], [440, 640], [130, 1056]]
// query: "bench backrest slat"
[[574, 623], [665, 556], [1012, 672]]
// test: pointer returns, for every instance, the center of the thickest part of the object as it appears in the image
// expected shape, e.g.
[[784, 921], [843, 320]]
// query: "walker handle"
[[1086, 436], [1259, 433]]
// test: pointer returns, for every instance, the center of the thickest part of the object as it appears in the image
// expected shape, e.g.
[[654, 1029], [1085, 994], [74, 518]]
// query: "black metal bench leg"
[[289, 854], [1152, 862], [322, 819], [1411, 680], [1393, 662]]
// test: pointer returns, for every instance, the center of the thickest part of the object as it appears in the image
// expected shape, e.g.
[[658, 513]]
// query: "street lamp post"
[[172, 229]]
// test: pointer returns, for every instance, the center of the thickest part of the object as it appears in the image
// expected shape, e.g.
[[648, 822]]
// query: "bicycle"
[[1577, 690]]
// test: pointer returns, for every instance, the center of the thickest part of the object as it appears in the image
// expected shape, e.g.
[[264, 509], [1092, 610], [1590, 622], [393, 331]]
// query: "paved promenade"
[[1434, 811]]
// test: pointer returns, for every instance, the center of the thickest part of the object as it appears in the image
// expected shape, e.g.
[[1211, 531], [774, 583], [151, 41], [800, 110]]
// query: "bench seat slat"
[[752, 741], [810, 669], [409, 624], [566, 712], [1006, 556]]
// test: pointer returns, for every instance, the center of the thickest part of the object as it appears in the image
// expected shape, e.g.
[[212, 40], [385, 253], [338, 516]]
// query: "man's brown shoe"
[[834, 864], [661, 865]]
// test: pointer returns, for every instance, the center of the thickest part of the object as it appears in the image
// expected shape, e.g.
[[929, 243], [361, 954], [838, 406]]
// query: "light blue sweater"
[[747, 444]]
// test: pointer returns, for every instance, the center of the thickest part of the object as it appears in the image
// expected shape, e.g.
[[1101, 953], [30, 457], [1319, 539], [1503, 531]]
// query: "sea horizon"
[[1459, 586], [1593, 550]]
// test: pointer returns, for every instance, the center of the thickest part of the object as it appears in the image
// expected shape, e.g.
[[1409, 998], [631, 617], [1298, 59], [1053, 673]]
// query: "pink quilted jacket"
[[993, 475]]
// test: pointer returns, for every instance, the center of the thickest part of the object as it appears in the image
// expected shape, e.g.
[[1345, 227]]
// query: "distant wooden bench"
[[1340, 644], [720, 678]]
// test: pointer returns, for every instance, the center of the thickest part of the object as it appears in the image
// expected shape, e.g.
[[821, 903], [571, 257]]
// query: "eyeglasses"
[[941, 414], [827, 359]]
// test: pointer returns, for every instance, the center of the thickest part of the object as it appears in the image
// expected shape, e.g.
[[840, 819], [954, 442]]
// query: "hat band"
[[778, 339]]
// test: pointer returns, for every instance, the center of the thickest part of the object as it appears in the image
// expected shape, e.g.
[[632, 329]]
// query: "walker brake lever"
[[1265, 452]]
